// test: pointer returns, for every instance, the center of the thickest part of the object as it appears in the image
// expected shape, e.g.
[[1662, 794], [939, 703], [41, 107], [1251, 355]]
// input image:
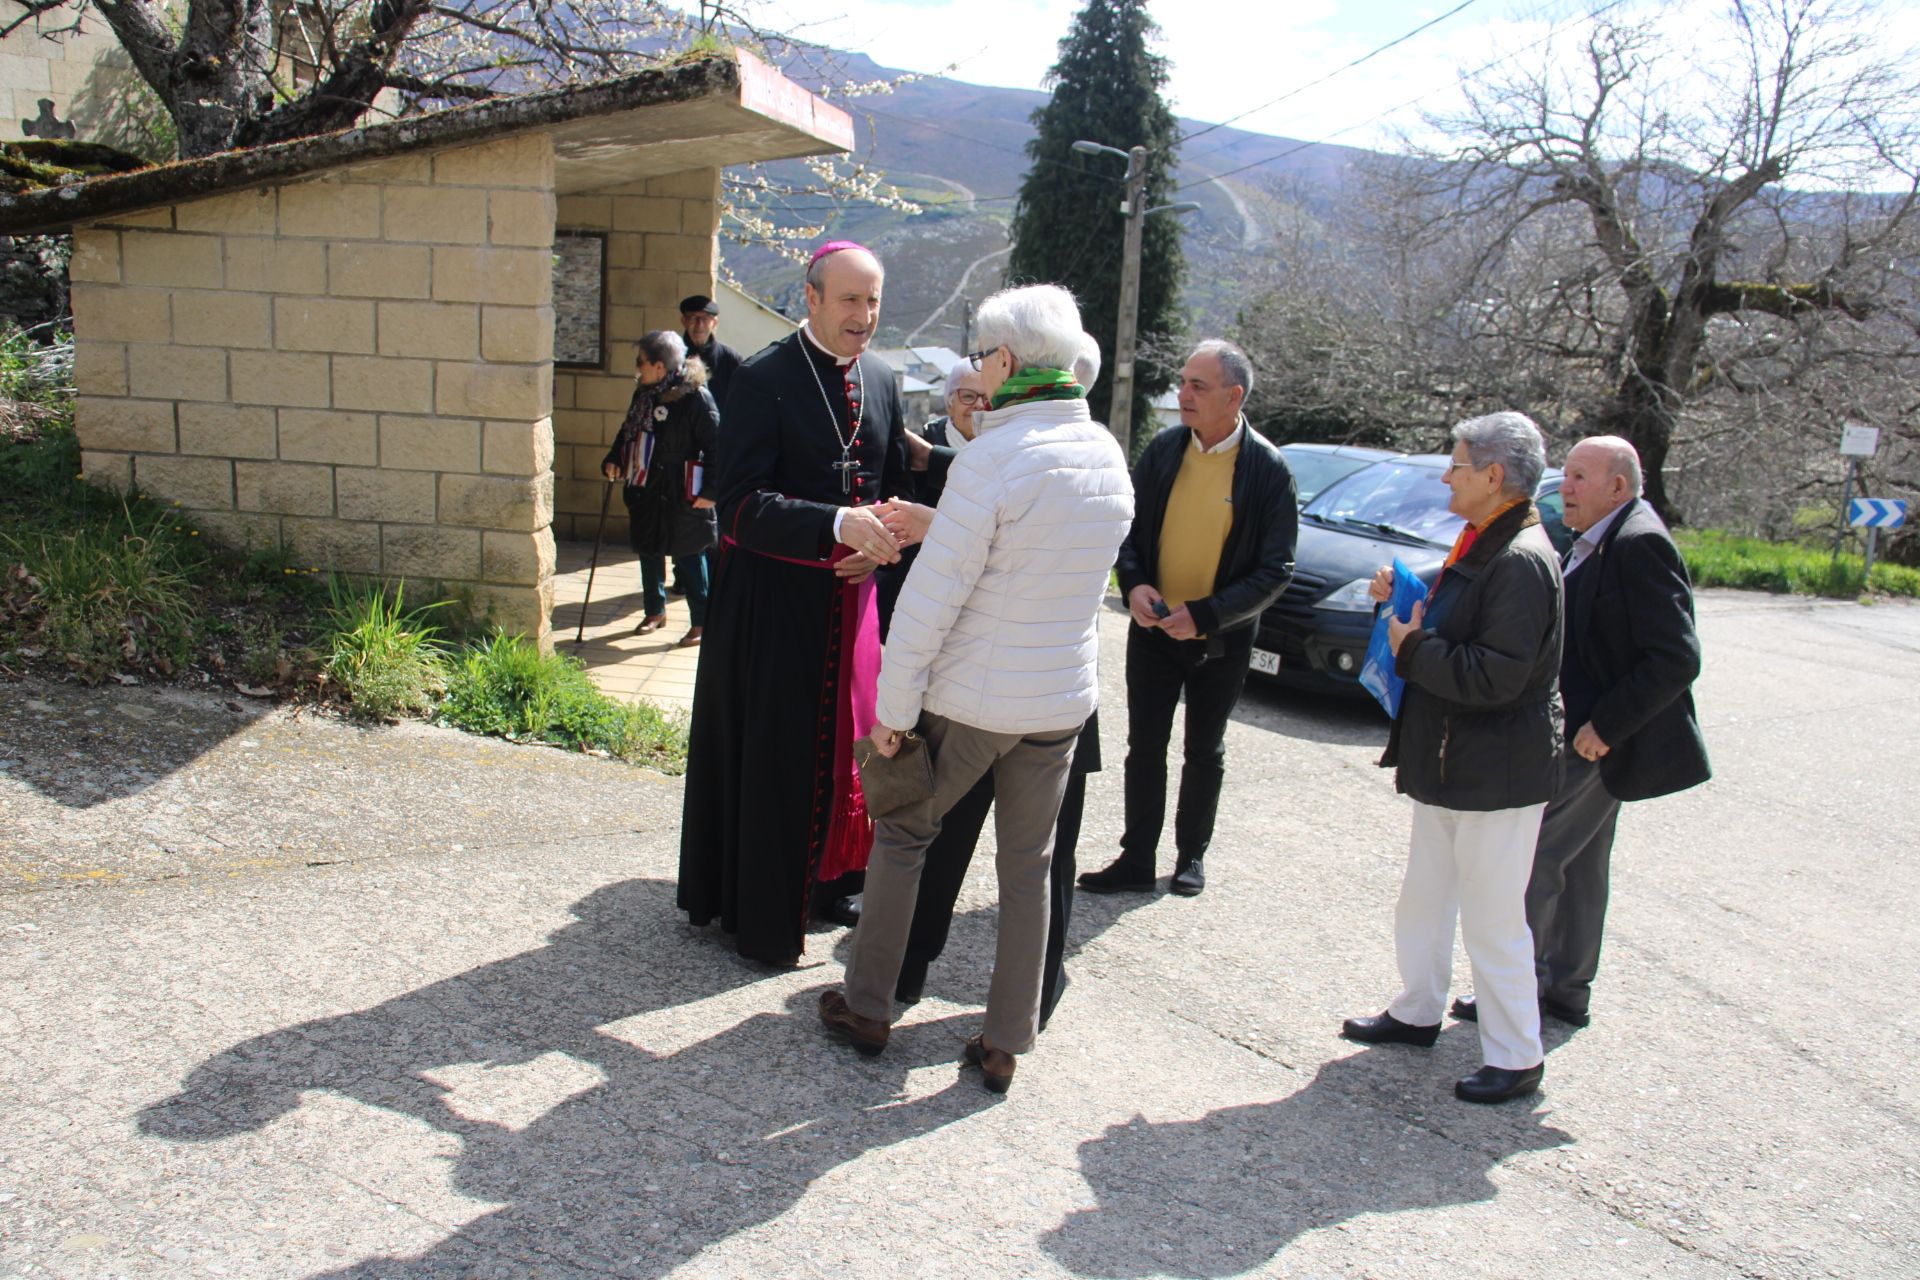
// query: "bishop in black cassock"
[[787, 670]]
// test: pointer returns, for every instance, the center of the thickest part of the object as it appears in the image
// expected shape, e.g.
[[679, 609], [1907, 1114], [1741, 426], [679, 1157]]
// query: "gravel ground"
[[283, 996]]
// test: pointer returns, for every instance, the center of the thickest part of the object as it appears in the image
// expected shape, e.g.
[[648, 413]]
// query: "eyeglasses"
[[975, 357], [1453, 466], [970, 398]]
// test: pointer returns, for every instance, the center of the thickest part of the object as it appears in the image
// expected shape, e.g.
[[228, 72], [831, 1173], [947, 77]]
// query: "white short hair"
[[1039, 323], [1509, 439], [1086, 365], [961, 368]]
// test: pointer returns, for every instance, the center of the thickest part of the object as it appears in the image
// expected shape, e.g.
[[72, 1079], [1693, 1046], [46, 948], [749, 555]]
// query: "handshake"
[[879, 533]]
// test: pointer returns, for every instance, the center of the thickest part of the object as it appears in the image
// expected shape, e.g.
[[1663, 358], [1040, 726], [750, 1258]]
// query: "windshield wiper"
[[1377, 526]]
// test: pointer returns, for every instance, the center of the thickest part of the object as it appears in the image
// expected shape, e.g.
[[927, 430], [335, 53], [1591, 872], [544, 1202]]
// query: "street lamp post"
[[1125, 337]]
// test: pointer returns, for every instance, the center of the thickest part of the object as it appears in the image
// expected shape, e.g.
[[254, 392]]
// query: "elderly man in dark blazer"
[[1631, 654]]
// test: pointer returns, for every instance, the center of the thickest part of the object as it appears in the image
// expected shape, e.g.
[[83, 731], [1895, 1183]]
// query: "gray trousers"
[[1029, 776], [1567, 895]]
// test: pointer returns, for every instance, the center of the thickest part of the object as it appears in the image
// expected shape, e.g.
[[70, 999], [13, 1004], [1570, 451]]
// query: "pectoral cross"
[[846, 467]]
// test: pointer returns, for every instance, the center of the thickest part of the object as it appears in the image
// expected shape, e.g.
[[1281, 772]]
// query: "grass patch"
[[387, 659], [507, 687], [108, 596], [1718, 559]]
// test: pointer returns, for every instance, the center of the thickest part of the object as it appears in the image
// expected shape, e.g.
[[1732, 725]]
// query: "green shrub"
[[383, 657], [109, 595], [507, 687], [1718, 559]]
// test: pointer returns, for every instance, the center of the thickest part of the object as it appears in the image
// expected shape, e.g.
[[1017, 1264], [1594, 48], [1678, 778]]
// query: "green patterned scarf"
[[1038, 384]]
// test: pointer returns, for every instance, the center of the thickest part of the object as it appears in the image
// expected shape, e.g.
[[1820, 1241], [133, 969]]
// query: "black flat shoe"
[[844, 911], [1120, 877], [1387, 1029], [1498, 1084], [1189, 880], [1564, 1013], [1467, 1009]]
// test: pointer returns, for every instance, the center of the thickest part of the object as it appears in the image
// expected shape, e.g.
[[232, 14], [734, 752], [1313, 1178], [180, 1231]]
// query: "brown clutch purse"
[[892, 782]]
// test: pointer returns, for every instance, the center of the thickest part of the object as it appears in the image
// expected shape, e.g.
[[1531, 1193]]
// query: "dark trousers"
[[690, 572], [1567, 894], [951, 853], [1159, 670]]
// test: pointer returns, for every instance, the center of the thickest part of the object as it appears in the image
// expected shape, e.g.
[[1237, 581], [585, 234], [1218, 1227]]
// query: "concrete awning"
[[706, 112]]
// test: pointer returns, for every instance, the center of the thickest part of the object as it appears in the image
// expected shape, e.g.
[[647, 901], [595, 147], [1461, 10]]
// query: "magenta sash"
[[849, 834]]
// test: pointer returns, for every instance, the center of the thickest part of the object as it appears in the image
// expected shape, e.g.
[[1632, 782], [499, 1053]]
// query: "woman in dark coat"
[[670, 431], [1477, 749]]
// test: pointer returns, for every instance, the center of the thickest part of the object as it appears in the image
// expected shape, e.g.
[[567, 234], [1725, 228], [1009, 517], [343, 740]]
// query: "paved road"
[[475, 1040]]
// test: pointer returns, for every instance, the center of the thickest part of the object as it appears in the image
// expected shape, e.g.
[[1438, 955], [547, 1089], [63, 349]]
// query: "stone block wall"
[[356, 366], [661, 247]]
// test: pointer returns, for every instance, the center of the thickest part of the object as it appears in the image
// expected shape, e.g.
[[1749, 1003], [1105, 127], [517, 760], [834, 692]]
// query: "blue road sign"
[[1876, 513]]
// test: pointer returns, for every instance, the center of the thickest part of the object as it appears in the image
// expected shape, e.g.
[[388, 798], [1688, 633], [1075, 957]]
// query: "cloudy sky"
[[1231, 56]]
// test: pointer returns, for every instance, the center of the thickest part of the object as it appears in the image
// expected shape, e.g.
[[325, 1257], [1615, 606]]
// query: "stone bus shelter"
[[346, 344]]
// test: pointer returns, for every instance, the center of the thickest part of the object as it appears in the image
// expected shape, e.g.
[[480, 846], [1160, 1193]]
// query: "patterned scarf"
[[635, 444], [1038, 384]]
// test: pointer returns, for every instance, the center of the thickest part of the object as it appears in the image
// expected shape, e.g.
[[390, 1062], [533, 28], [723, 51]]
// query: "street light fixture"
[[1125, 337]]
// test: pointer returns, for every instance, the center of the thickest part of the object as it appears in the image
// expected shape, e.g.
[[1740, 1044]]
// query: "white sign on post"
[[1858, 440]]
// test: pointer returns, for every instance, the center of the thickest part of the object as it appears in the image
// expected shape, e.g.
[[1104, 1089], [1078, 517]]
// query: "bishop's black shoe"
[[841, 911], [1387, 1029], [1499, 1084]]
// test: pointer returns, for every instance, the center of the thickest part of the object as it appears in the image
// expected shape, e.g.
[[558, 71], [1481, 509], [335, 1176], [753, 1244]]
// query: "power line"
[[1373, 53], [1414, 101]]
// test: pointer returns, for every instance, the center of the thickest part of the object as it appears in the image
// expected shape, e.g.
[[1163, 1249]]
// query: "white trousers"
[[1473, 866]]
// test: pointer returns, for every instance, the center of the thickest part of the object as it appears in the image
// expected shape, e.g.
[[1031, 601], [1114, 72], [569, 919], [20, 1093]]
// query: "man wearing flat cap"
[[699, 317]]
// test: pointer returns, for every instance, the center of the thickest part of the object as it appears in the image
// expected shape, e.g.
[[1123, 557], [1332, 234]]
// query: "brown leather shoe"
[[868, 1035], [652, 622], [996, 1065], [690, 639]]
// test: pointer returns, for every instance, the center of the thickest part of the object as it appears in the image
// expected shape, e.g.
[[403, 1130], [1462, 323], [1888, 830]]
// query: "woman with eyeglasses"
[[1476, 747]]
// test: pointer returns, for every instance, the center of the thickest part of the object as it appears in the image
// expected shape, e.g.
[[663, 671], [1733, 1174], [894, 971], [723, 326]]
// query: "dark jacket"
[[721, 360], [1479, 728], [889, 578], [661, 518], [1257, 562], [1630, 635]]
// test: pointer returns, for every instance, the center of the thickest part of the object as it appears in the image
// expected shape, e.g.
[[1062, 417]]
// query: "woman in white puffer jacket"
[[991, 655]]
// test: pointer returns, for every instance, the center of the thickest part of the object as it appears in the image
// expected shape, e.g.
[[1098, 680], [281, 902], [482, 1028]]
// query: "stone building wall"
[[358, 366], [661, 247], [58, 83]]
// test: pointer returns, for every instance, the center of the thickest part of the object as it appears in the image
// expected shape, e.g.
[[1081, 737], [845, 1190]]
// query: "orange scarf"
[[1468, 536]]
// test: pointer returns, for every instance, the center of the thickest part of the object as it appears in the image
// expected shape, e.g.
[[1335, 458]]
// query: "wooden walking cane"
[[606, 496]]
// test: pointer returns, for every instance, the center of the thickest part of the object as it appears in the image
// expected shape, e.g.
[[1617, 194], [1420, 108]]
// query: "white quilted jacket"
[[995, 625]]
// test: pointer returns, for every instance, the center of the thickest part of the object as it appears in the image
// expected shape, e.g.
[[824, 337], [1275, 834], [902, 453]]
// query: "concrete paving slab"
[[354, 1022]]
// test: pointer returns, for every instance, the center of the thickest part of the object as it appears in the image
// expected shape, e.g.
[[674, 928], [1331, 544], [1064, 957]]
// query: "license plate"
[[1266, 663]]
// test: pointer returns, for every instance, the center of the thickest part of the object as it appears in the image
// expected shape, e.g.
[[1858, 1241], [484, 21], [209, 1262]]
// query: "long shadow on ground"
[[1223, 1194], [620, 1177]]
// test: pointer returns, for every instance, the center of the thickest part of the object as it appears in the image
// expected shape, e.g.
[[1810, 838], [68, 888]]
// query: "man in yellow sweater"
[[1211, 547]]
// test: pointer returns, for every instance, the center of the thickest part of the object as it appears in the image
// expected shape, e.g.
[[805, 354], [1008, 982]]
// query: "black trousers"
[[951, 853], [1160, 670]]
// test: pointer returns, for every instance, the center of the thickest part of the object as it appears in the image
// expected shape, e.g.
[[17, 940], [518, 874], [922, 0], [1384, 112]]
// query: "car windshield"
[[1313, 471], [1391, 497]]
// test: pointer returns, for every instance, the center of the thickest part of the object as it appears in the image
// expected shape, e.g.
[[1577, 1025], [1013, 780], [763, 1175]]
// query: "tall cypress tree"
[[1067, 226]]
